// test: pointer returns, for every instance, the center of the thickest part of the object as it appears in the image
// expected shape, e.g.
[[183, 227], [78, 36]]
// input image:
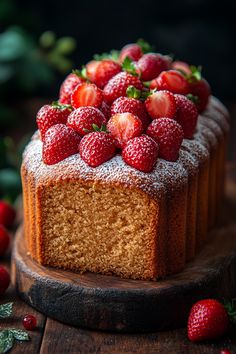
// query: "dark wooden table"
[[53, 337]]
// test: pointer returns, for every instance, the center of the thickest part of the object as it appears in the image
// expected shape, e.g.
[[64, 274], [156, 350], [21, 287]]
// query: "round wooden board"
[[111, 303]]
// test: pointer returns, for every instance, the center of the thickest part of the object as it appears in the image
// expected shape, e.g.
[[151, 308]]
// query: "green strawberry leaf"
[[20, 334], [6, 310], [80, 73], [195, 74], [113, 55], [230, 306], [60, 106], [145, 46], [132, 92], [194, 99], [6, 340], [128, 65]]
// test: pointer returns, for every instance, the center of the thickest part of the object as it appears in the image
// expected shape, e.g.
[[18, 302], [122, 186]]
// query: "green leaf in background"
[[6, 340], [47, 39], [6, 310], [10, 184], [65, 45], [13, 45], [20, 334]]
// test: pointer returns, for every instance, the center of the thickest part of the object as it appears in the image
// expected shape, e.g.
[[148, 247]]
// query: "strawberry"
[[173, 81], [131, 105], [106, 110], [91, 68], [202, 90], [186, 115], [50, 115], [117, 86], [132, 51], [161, 104], [123, 127], [4, 280], [86, 95], [169, 136], [4, 240], [68, 86], [96, 148], [151, 65], [83, 118], [60, 142], [103, 71], [181, 66], [7, 214], [208, 319], [141, 153]]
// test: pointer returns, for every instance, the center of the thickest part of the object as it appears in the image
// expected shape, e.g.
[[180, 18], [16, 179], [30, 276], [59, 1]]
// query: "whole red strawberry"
[[161, 104], [208, 319], [91, 68], [4, 240], [60, 142], [132, 51], [186, 115], [202, 90], [173, 81], [117, 86], [50, 115], [182, 67], [68, 86], [97, 148], [86, 95], [83, 118], [4, 280], [141, 153], [106, 110], [123, 127], [151, 65], [7, 214], [104, 71], [169, 136], [131, 105]]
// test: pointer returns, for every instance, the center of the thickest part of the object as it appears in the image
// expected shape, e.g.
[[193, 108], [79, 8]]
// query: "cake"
[[117, 209]]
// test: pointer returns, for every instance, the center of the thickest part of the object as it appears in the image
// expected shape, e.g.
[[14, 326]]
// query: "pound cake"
[[125, 175]]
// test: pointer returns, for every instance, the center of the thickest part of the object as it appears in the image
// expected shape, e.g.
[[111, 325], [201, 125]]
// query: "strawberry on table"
[[83, 118], [132, 51], [141, 153], [86, 95], [186, 115], [202, 90], [68, 86], [7, 214], [97, 148], [4, 240], [123, 127], [171, 80], [117, 86], [102, 71], [50, 115], [208, 319], [4, 280], [131, 105], [151, 65], [169, 136], [60, 142], [161, 104]]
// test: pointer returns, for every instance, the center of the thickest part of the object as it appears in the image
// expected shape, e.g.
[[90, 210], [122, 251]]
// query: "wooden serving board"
[[111, 303]]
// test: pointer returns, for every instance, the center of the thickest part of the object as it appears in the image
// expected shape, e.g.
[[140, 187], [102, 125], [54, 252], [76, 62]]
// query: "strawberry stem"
[[113, 55], [195, 74], [81, 73], [128, 65], [132, 92], [145, 46], [60, 106], [194, 99], [230, 306]]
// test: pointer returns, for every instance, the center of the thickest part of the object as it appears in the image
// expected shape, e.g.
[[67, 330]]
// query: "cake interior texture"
[[91, 227]]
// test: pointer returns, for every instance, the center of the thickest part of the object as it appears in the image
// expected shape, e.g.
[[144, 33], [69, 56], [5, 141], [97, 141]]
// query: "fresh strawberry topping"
[[117, 86], [208, 319], [83, 118], [141, 153], [182, 67], [50, 115], [132, 51], [169, 136], [151, 65], [86, 95], [97, 148], [202, 90], [68, 86], [161, 104], [106, 110], [4, 240], [123, 127], [7, 214], [60, 142], [131, 105], [104, 71], [186, 115], [173, 81]]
